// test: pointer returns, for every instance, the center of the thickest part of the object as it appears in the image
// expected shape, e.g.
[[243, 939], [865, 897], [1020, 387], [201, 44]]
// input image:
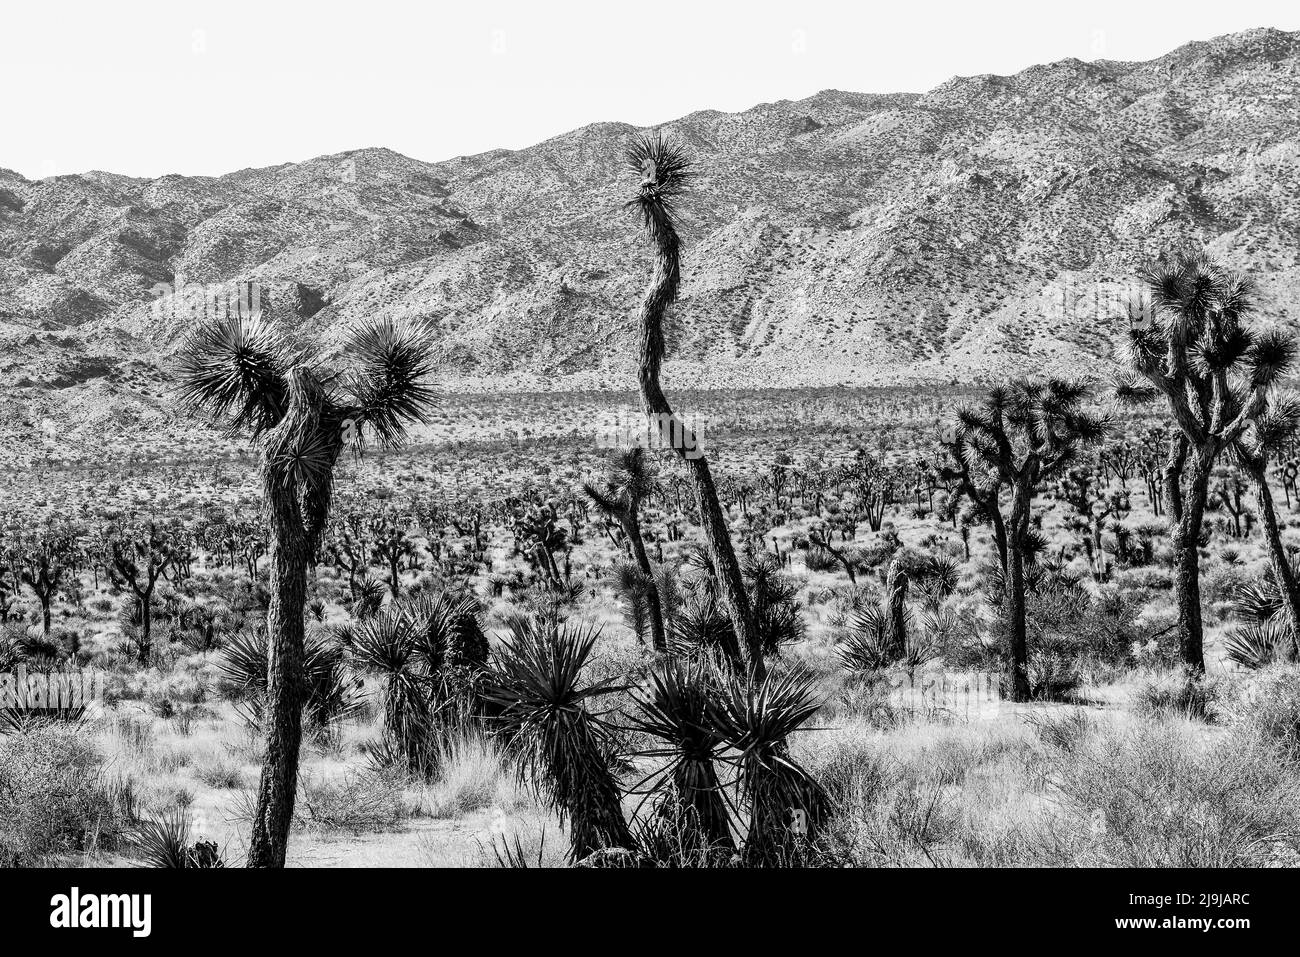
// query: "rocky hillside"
[[993, 223]]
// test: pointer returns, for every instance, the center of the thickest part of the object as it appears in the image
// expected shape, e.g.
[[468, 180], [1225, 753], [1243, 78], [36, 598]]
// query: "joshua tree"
[[664, 173], [242, 369], [1028, 431], [41, 562], [1194, 350], [1268, 433], [136, 560], [393, 548], [628, 480]]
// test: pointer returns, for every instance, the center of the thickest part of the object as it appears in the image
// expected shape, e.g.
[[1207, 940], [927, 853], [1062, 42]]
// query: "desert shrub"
[[1270, 712], [1183, 696], [844, 601], [55, 798], [359, 802], [1154, 796], [164, 842], [473, 774], [220, 774]]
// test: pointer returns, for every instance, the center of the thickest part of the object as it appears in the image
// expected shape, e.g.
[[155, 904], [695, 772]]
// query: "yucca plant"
[[164, 842], [786, 804], [700, 624], [1272, 429], [867, 644], [394, 645], [544, 710], [331, 694], [635, 589], [242, 369], [772, 599], [1258, 644], [675, 710]]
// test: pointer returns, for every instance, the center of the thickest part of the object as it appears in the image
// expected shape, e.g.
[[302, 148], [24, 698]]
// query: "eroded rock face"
[[990, 226]]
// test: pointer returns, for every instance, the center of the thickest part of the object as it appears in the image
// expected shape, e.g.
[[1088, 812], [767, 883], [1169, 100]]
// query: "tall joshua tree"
[[1028, 432], [1194, 349], [241, 369], [625, 485], [1268, 434], [664, 173]]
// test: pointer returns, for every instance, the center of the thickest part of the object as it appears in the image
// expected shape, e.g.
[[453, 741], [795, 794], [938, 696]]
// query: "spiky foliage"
[[675, 710], [163, 842], [428, 650], [756, 719], [772, 598], [536, 682], [633, 586], [1257, 644], [701, 625], [664, 172], [867, 644], [1194, 349], [332, 696]]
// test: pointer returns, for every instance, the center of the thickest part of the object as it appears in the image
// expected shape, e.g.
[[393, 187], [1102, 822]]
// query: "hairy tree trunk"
[[999, 531], [659, 295], [146, 626], [1189, 509], [1282, 570], [1017, 660], [896, 606], [284, 691], [632, 529]]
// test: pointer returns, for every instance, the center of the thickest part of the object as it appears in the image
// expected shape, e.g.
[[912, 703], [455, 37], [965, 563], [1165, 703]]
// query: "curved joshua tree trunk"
[[659, 296], [1283, 573]]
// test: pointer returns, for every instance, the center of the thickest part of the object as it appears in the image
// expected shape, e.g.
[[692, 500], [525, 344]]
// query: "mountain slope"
[[992, 224]]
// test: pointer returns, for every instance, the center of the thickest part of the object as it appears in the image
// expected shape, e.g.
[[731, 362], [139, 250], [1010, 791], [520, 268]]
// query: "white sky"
[[148, 88]]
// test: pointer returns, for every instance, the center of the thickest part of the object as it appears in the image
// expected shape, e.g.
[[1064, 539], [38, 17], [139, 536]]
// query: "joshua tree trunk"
[[659, 296], [1187, 512], [1017, 661], [632, 531], [1283, 573], [284, 689], [896, 598]]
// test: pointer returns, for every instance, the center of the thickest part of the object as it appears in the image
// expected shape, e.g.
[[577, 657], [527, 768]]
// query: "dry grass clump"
[[473, 775], [56, 798], [358, 802]]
